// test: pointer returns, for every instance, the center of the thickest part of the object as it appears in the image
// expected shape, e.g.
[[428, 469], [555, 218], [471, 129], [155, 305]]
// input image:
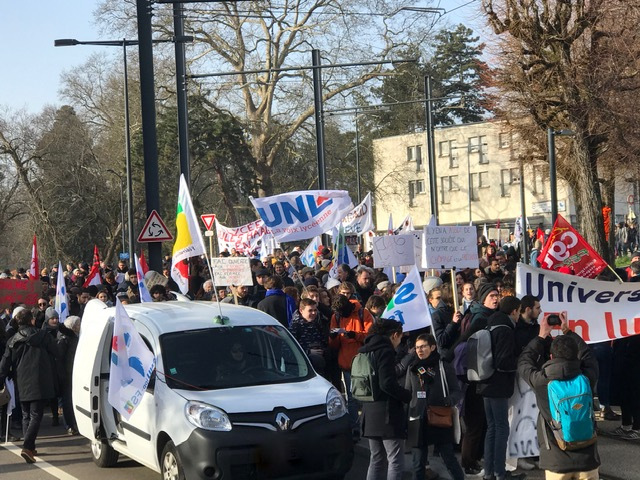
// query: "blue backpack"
[[572, 417]]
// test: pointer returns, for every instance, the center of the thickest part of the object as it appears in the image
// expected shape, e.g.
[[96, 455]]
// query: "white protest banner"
[[409, 305], [360, 219], [231, 271], [597, 311], [523, 409], [242, 239], [393, 251], [447, 247], [301, 215]]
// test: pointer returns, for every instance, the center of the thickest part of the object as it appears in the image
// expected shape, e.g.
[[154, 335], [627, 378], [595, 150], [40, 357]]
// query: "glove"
[[333, 334], [350, 334]]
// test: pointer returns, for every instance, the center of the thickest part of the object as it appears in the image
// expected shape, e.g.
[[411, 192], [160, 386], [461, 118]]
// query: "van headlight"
[[336, 407], [207, 416]]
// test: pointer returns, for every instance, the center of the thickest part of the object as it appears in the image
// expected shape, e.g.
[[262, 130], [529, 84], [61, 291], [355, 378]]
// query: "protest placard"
[[448, 247], [393, 251], [231, 271], [19, 291]]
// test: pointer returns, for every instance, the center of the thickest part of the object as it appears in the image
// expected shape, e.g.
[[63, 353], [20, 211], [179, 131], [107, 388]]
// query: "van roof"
[[167, 317]]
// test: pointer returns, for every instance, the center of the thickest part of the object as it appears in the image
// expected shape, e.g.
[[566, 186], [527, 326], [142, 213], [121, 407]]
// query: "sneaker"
[[526, 464], [631, 435], [619, 432], [472, 471], [72, 431], [28, 455], [430, 474]]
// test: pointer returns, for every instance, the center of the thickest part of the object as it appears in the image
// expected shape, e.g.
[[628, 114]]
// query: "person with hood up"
[[68, 334], [384, 420], [26, 358]]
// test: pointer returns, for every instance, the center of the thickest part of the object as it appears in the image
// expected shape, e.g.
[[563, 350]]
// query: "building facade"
[[478, 179]]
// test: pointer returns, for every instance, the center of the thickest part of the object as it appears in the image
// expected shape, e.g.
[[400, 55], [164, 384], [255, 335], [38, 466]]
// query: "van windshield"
[[228, 357]]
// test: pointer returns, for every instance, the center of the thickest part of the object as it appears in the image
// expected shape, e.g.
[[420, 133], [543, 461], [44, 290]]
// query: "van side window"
[[152, 380]]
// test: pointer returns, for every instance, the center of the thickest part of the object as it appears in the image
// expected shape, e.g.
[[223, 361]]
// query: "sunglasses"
[[42, 304]]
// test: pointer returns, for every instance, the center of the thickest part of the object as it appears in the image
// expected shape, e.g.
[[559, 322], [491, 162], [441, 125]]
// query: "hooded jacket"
[[386, 416], [27, 359], [552, 458]]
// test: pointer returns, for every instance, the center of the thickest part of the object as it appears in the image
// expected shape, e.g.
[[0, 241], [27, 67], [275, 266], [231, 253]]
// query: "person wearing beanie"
[[68, 334]]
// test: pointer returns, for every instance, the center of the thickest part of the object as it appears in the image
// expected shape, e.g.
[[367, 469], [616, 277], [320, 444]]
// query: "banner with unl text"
[[598, 311], [565, 247]]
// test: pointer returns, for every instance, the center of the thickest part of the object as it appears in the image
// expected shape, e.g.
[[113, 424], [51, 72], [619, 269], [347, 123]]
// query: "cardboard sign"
[[393, 251], [447, 247], [19, 291], [231, 271], [417, 247]]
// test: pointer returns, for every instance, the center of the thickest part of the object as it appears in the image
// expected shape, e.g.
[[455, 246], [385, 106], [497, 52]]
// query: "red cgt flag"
[[565, 247]]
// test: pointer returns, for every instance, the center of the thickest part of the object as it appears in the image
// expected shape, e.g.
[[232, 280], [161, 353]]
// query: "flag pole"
[[454, 289], [615, 273]]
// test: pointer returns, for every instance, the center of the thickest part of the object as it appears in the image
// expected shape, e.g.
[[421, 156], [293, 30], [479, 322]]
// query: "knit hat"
[[18, 309], [73, 323], [430, 283], [332, 282], [485, 290], [50, 312]]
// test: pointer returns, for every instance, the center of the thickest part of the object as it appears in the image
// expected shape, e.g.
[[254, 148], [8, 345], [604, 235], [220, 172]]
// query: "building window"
[[414, 154], [479, 145], [478, 180], [416, 187], [453, 161], [537, 181], [443, 149], [448, 184], [510, 176], [504, 140], [484, 179]]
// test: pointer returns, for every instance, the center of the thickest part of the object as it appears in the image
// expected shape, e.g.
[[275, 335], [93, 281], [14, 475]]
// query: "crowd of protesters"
[[333, 317]]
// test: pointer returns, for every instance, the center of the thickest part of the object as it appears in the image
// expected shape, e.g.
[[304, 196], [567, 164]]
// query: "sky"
[[30, 77]]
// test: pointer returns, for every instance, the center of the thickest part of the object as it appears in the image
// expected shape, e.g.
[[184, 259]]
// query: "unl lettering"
[[304, 209]]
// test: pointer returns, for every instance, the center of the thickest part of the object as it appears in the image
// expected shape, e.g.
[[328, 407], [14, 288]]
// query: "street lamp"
[[553, 181], [124, 43], [120, 182]]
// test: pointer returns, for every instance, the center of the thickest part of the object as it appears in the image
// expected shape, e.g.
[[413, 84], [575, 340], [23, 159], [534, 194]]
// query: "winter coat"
[[348, 347], [552, 458], [385, 417], [309, 334], [276, 306], [445, 331], [524, 333], [480, 314], [430, 382], [505, 361], [68, 344], [27, 359]]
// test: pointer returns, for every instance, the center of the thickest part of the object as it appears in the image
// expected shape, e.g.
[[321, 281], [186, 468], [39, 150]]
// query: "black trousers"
[[476, 428], [31, 419]]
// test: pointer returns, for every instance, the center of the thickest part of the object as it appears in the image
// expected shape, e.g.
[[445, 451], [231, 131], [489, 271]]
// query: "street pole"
[[127, 143], [553, 182], [523, 222], [149, 135], [358, 159], [433, 180], [122, 211], [319, 117], [181, 93]]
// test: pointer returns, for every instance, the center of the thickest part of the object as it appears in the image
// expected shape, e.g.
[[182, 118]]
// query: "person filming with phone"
[[563, 386]]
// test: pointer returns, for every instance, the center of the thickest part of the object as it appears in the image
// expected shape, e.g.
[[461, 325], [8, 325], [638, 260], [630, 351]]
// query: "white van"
[[232, 398]]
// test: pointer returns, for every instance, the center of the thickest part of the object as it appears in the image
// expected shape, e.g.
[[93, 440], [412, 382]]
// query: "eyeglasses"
[[421, 347], [42, 304]]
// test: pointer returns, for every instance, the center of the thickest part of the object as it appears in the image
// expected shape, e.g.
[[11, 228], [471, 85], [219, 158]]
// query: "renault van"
[[233, 397]]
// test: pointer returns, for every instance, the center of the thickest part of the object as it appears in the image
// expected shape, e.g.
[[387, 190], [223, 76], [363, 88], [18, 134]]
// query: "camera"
[[554, 320]]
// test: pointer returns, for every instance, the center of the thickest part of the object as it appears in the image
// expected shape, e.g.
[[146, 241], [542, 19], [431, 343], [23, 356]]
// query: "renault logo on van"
[[282, 421]]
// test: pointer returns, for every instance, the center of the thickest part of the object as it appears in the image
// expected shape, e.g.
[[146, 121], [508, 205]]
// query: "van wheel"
[[171, 465], [103, 455]]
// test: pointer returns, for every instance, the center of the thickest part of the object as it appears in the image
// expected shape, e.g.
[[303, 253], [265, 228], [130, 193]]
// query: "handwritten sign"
[[19, 291], [393, 251], [231, 271], [417, 247], [447, 247]]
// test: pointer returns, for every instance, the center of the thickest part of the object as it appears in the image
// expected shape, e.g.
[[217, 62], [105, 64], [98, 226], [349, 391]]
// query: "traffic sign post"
[[154, 230], [209, 219]]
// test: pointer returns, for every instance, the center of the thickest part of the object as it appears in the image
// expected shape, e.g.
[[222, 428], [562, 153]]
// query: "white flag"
[[406, 226], [132, 364], [484, 232], [62, 305], [360, 219], [409, 305], [308, 257], [145, 296], [301, 215]]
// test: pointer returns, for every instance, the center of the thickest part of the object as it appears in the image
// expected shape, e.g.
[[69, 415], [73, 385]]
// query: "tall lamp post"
[[553, 181], [120, 182], [124, 43]]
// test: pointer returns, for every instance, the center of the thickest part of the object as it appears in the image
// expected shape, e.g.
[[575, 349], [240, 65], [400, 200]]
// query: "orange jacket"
[[348, 347]]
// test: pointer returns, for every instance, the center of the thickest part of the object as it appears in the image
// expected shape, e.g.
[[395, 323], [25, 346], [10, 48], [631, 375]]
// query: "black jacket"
[[551, 457], [445, 331], [430, 382], [276, 306], [524, 333], [505, 361], [68, 344], [27, 359], [480, 314], [386, 416]]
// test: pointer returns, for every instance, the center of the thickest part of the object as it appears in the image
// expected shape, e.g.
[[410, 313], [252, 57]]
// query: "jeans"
[[420, 455], [604, 355], [495, 442], [386, 460], [31, 419], [352, 403]]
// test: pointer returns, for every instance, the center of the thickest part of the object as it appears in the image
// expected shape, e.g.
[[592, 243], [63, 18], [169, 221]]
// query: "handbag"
[[5, 396], [441, 416]]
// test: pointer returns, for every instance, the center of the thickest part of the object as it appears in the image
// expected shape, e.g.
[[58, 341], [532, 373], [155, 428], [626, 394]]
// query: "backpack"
[[480, 365], [364, 378], [460, 361], [572, 418]]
